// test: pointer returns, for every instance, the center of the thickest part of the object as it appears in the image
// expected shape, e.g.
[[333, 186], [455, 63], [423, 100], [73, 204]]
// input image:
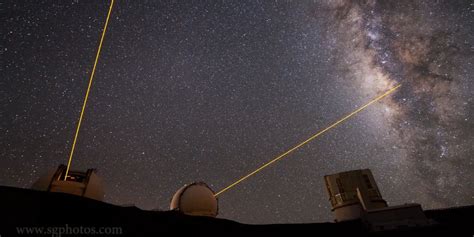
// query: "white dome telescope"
[[195, 199], [86, 184]]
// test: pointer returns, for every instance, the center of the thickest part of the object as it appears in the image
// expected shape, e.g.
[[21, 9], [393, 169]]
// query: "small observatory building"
[[355, 195], [195, 199], [86, 184]]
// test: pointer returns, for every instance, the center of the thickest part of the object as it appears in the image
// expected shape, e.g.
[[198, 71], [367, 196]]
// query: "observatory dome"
[[195, 199], [86, 184]]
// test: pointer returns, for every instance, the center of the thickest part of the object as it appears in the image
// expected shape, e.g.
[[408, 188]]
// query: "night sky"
[[210, 90]]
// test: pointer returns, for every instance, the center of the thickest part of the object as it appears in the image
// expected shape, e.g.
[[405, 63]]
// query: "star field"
[[210, 90]]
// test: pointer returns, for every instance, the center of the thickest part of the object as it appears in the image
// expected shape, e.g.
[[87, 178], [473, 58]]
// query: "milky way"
[[400, 42], [210, 90]]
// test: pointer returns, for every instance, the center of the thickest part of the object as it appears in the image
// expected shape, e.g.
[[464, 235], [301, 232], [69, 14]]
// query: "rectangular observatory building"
[[351, 193]]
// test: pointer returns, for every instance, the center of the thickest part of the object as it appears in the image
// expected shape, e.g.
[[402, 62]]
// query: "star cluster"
[[210, 90]]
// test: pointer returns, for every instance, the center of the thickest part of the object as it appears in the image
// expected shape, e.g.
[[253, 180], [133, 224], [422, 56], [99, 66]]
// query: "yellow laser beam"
[[309, 139], [88, 88]]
